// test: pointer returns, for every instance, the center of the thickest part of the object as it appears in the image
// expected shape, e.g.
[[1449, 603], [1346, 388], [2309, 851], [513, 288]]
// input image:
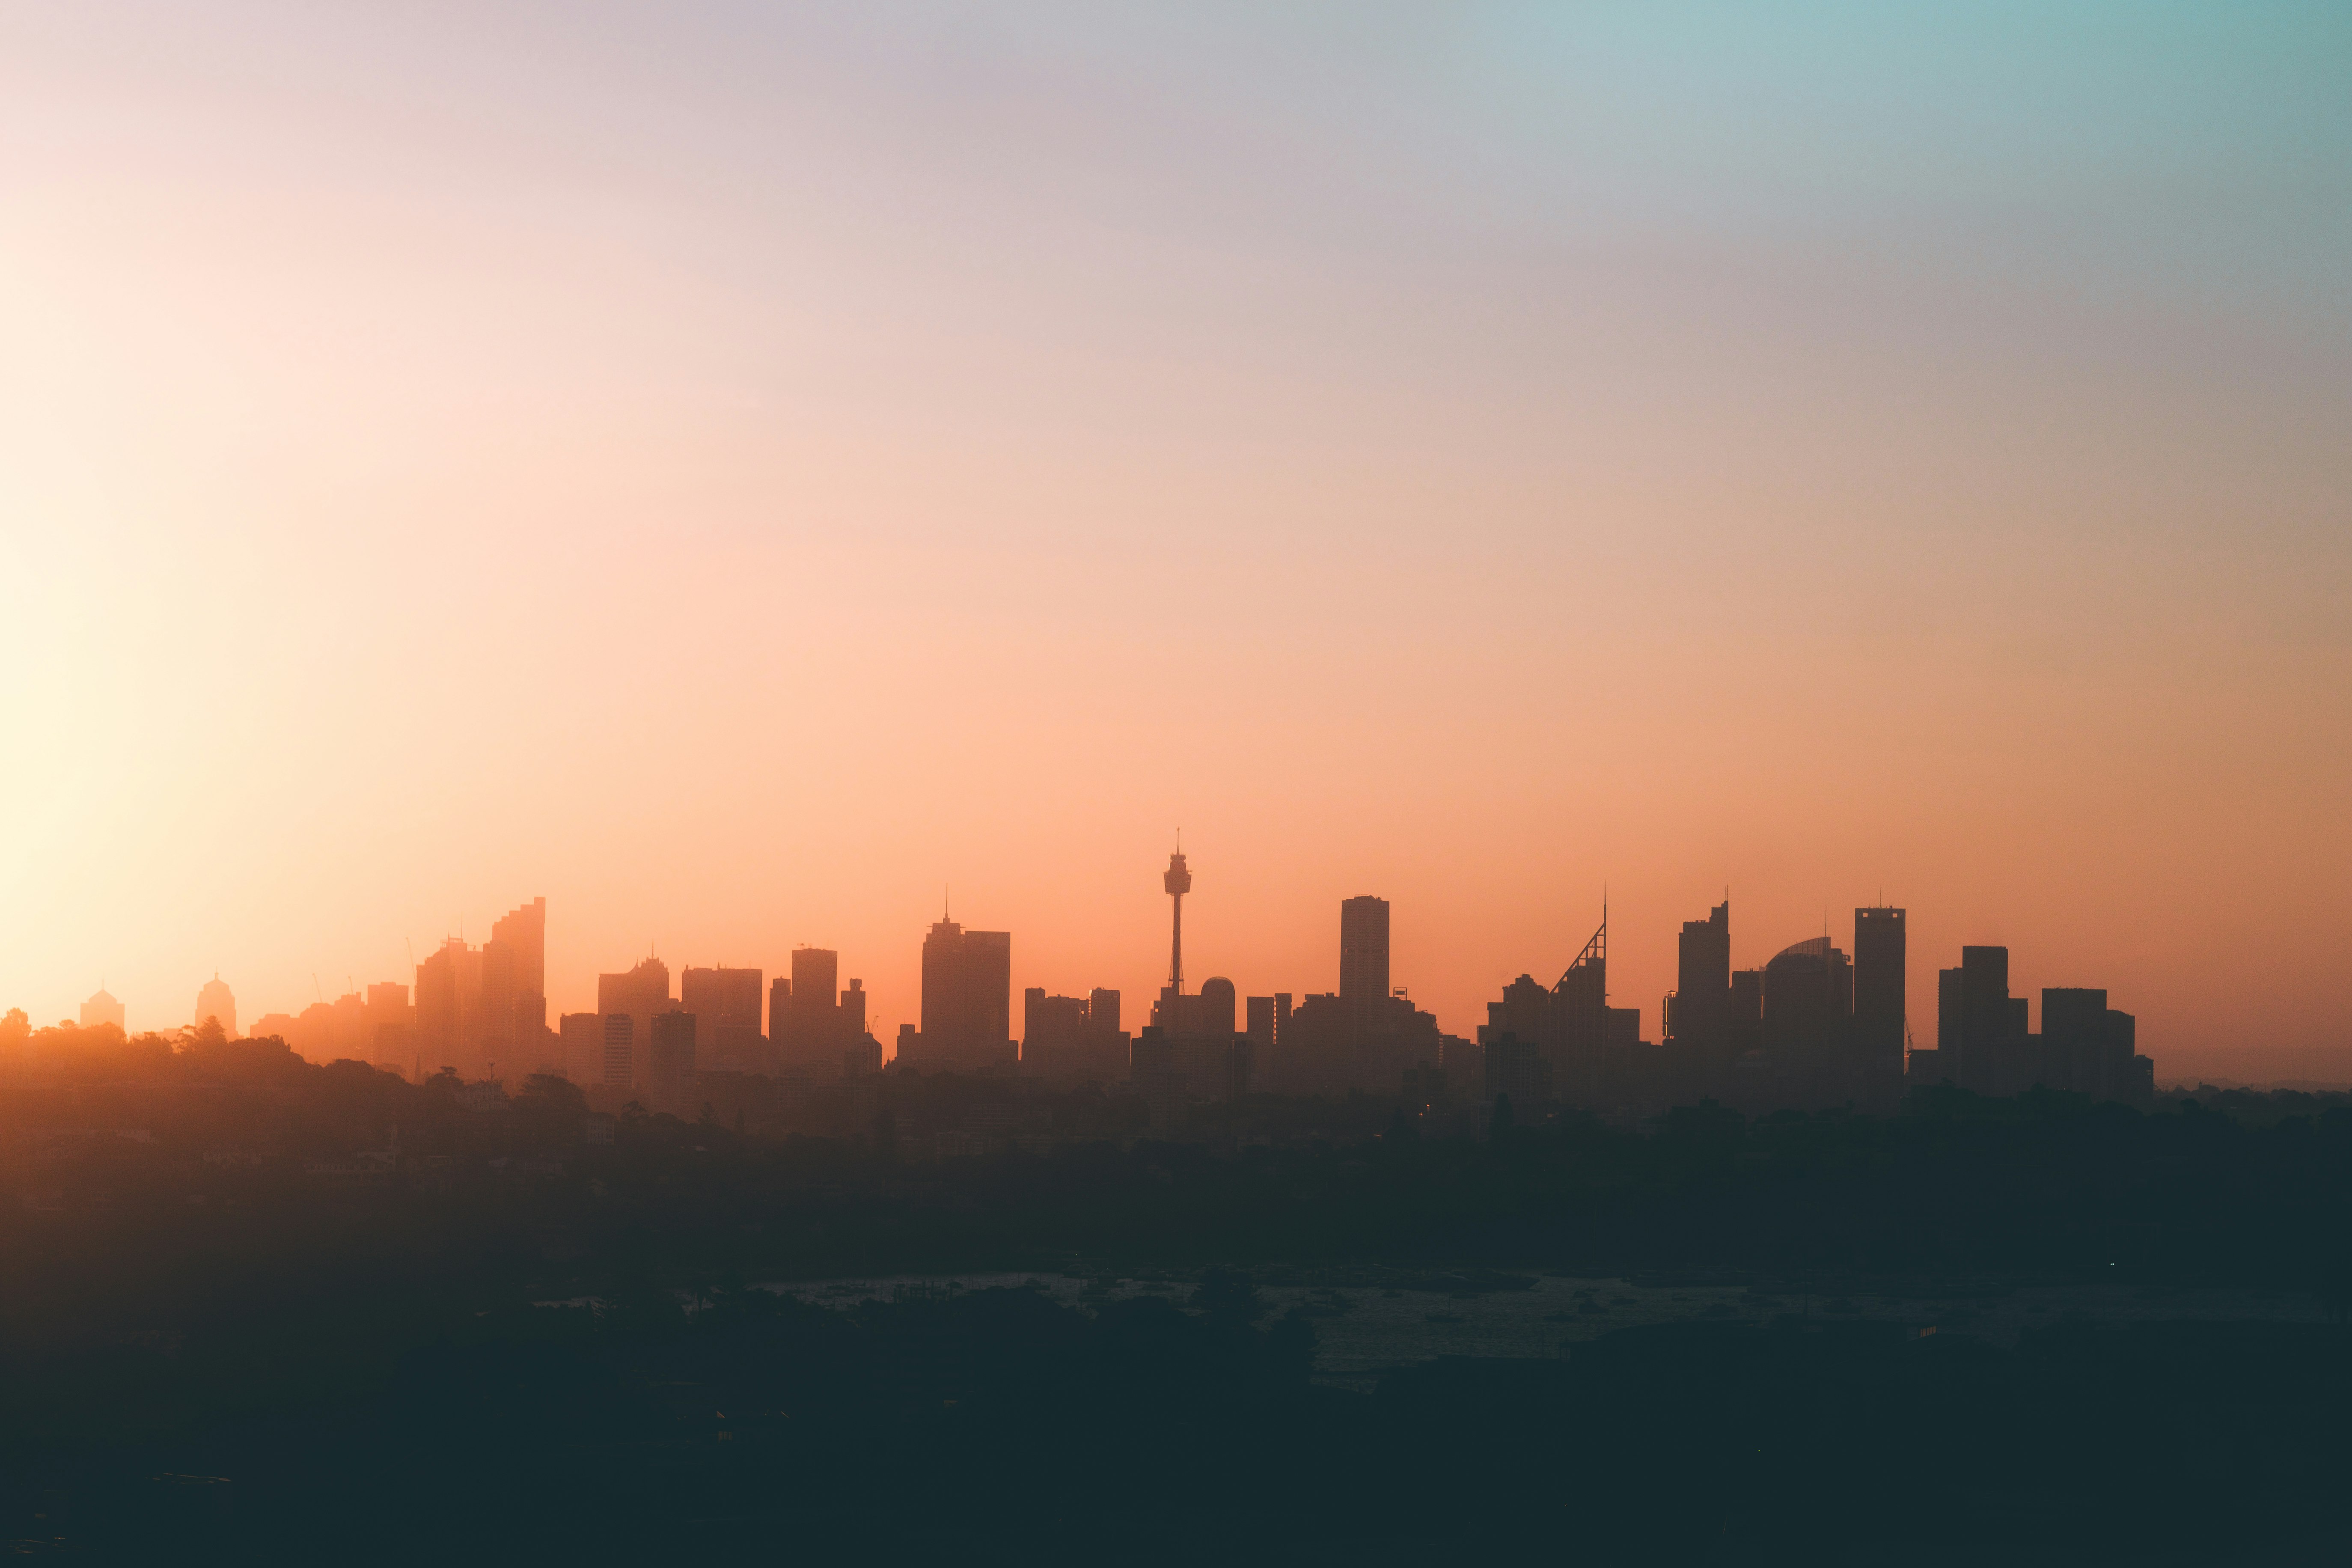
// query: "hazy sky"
[[737, 470]]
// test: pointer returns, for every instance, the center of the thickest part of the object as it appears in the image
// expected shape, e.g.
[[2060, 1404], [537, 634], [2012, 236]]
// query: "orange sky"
[[734, 476]]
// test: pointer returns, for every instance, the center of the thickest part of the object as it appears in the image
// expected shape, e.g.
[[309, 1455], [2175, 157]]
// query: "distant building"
[[1698, 1018], [620, 1050], [100, 1010], [1364, 957], [727, 1004], [967, 1005], [1580, 1034], [214, 1001], [389, 1025], [1072, 1039], [449, 1006], [580, 1037], [641, 991], [1807, 1013], [1881, 951], [671, 1062], [512, 1021]]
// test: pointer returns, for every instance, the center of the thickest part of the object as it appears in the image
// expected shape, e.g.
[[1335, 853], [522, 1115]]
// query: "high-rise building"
[[100, 1010], [1364, 957], [448, 1006], [1808, 1015], [967, 1006], [671, 1062], [1700, 1018], [512, 1018], [1986, 1021], [620, 1050], [582, 1037], [726, 1001], [214, 1001], [808, 1032], [1880, 951], [390, 1027], [640, 992]]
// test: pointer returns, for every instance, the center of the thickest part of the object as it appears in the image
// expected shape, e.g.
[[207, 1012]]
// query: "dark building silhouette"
[[1986, 1027], [1808, 1020], [1364, 957], [1072, 1039], [640, 992], [1359, 1038], [620, 1050], [1881, 951], [450, 1007], [389, 1025], [967, 1007], [1517, 1068], [214, 1001], [725, 1006], [1698, 1018], [510, 1026], [1571, 1022], [671, 1062], [580, 1037]]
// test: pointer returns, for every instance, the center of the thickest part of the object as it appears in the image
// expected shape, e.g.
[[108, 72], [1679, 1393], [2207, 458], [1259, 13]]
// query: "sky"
[[753, 474]]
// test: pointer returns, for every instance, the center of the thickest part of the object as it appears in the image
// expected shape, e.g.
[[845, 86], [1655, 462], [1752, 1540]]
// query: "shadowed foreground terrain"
[[242, 1319]]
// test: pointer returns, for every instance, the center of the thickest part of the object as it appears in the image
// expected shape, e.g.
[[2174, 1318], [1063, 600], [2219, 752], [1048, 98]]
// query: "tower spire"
[[1179, 882]]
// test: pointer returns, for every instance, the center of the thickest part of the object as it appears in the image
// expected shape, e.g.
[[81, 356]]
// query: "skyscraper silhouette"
[[725, 1005], [1363, 958], [214, 1001], [640, 992], [1702, 1006], [1880, 951], [966, 1001], [101, 1008]]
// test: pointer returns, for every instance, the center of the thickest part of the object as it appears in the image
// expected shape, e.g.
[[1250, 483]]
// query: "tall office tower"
[[620, 1050], [853, 1011], [1258, 1014], [967, 998], [448, 1006], [1102, 1011], [1579, 1024], [347, 1031], [727, 1004], [102, 1009], [1808, 1008], [493, 1034], [640, 992], [523, 932], [580, 1037], [506, 1028], [1363, 958], [1702, 1010], [1880, 948], [1053, 1035], [391, 1025], [214, 1001], [1179, 882], [779, 1005], [2073, 1037], [1986, 1020], [810, 1030], [671, 1062]]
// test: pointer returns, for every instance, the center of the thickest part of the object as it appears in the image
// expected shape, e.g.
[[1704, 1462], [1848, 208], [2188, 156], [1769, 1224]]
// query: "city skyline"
[[734, 471], [483, 1012]]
